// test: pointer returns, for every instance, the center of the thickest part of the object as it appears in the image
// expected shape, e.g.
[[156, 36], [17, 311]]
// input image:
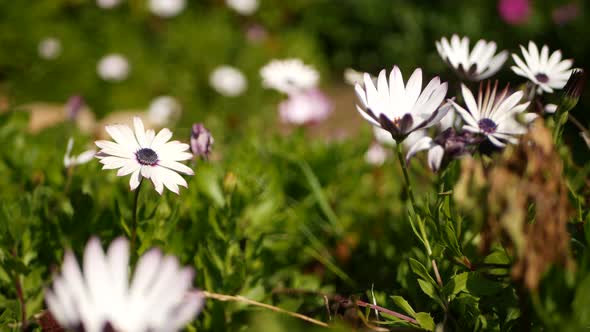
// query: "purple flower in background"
[[514, 11], [566, 13], [201, 141], [74, 105], [305, 107]]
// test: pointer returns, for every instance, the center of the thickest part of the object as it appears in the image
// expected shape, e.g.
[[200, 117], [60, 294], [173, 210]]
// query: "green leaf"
[[457, 284], [404, 305], [581, 303], [425, 320], [479, 286], [420, 270]]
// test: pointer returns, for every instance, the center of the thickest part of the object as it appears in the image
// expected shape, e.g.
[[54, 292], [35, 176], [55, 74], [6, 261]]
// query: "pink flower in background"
[[566, 13], [305, 107], [514, 11]]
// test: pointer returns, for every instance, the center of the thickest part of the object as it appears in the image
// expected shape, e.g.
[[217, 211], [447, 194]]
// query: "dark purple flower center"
[[542, 78], [488, 126], [147, 156]]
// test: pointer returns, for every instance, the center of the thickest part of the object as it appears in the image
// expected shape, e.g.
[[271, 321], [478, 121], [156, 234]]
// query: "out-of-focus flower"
[[573, 89], [108, 4], [514, 11], [376, 155], [243, 7], [546, 72], [494, 115], [80, 159], [113, 67], [306, 107], [100, 298], [289, 76], [164, 111], [550, 108], [201, 141], [73, 106], [256, 33], [448, 145], [565, 14], [228, 81], [49, 48], [166, 8], [401, 109], [145, 154], [479, 64]]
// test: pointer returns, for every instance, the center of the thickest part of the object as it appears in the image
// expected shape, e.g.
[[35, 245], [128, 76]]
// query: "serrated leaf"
[[404, 305], [425, 320]]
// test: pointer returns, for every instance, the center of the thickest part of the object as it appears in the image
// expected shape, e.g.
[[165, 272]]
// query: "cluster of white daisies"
[[402, 110]]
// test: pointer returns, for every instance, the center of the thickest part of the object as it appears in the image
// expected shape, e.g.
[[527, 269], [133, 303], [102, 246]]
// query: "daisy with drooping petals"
[[80, 159], [145, 154], [401, 109], [546, 72], [289, 76], [479, 64], [100, 298], [494, 115]]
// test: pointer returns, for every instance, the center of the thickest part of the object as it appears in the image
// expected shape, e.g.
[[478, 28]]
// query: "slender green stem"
[[404, 166], [134, 220]]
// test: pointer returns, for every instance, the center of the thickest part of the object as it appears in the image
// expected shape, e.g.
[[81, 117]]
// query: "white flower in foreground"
[[401, 109], [384, 137], [49, 48], [228, 81], [494, 115], [547, 72], [308, 107], [243, 7], [166, 8], [80, 159], [145, 154], [164, 110], [289, 76], [479, 64], [113, 67], [108, 4], [100, 298]]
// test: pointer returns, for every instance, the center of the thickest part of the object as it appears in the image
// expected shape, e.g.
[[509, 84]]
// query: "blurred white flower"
[[546, 72], [108, 4], [243, 7], [476, 65], [166, 8], [164, 111], [550, 108], [306, 107], [49, 48], [398, 108], [113, 67], [100, 298], [145, 154], [289, 76], [228, 81], [80, 159], [353, 77], [376, 154], [494, 115]]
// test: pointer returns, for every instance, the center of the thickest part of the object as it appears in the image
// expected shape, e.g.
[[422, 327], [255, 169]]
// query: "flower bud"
[[201, 141], [573, 90]]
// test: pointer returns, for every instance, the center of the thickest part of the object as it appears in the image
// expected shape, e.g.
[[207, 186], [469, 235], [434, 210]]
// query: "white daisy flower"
[[476, 65], [80, 159], [228, 81], [49, 48], [113, 67], [546, 72], [303, 108], [108, 4], [145, 154], [384, 137], [100, 298], [289, 76], [494, 115], [164, 110], [243, 7], [166, 8], [401, 109]]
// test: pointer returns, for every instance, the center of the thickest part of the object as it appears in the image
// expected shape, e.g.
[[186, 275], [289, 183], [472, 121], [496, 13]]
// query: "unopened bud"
[[201, 141], [73, 106], [573, 90]]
